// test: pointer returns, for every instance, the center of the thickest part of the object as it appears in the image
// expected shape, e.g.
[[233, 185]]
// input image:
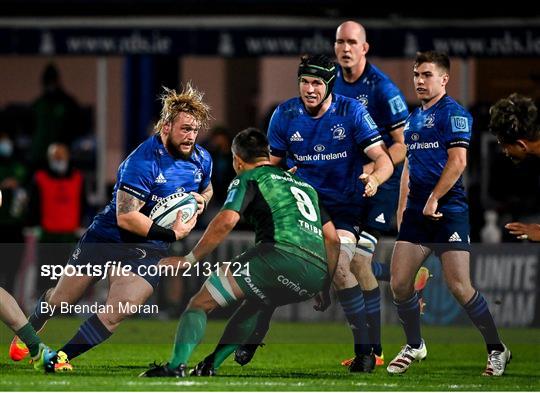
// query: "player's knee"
[[200, 303], [112, 320], [55, 297], [48, 294], [361, 266], [461, 291], [343, 277], [402, 288]]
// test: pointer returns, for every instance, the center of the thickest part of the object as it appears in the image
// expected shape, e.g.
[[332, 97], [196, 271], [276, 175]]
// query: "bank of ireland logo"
[[338, 132], [319, 148], [415, 137]]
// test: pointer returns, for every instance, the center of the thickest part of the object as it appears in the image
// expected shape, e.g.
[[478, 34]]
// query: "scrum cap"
[[321, 67]]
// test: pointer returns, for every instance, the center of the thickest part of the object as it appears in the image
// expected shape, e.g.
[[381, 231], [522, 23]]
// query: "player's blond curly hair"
[[189, 101]]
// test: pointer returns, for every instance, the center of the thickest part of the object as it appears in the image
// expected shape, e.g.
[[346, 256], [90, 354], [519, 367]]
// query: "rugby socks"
[[38, 318], [352, 302], [381, 271], [91, 333], [189, 333], [372, 300], [248, 325], [28, 335], [409, 315], [222, 352], [479, 313]]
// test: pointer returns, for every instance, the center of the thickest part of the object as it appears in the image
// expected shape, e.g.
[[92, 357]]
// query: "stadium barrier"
[[507, 274]]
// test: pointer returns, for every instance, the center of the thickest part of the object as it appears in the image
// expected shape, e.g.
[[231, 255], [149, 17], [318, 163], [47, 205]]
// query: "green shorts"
[[277, 277]]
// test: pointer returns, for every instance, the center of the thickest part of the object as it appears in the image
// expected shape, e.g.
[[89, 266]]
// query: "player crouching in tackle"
[[295, 243]]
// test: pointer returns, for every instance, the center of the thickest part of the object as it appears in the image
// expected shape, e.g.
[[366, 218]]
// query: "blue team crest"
[[459, 124], [363, 98], [369, 120], [198, 176], [429, 122], [397, 105], [339, 132]]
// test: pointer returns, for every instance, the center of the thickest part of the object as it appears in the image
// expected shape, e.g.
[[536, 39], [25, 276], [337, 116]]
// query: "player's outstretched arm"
[[456, 164], [218, 229], [128, 216]]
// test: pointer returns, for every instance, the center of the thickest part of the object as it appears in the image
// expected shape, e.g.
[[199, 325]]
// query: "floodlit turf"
[[298, 357]]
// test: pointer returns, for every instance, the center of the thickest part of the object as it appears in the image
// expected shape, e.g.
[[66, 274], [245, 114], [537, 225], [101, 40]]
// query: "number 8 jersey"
[[283, 209]]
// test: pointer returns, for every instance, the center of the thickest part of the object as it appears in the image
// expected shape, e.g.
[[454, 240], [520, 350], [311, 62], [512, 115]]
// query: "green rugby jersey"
[[283, 209]]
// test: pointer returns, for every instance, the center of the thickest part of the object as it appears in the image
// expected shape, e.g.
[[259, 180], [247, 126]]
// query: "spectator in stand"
[[57, 116], [12, 176], [57, 201]]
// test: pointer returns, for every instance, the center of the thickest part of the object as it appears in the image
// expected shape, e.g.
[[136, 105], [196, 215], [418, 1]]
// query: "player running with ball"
[[166, 163]]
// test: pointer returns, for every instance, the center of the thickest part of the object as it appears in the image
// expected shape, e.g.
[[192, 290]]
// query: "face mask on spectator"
[[6, 148], [58, 166]]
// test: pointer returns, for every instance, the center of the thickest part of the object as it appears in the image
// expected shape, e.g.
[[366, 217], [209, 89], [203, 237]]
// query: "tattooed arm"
[[128, 215]]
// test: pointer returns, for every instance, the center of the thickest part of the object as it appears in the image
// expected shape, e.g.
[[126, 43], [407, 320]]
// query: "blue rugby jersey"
[[384, 102], [150, 173], [326, 150], [382, 98], [428, 135]]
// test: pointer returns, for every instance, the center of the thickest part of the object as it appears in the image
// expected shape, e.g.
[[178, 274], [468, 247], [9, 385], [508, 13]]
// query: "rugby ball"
[[165, 211]]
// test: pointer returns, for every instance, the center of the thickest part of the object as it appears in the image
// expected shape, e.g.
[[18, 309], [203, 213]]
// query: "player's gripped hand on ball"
[[181, 229], [201, 202], [371, 184]]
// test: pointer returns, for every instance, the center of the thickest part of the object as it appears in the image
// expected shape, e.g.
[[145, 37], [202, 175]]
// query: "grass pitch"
[[297, 357]]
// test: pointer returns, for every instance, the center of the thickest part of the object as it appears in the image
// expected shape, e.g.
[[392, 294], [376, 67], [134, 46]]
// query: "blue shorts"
[[451, 232], [94, 250], [380, 210], [345, 217]]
